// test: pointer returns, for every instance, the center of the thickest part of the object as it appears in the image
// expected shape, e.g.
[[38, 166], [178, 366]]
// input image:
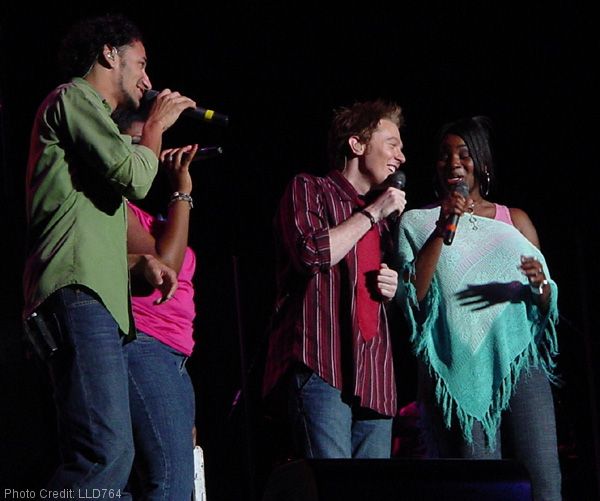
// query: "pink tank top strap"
[[503, 214]]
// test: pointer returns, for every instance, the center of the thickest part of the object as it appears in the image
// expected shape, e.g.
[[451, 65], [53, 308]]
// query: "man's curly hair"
[[84, 42]]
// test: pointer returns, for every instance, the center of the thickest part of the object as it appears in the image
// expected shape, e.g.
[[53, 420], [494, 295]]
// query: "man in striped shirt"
[[329, 343]]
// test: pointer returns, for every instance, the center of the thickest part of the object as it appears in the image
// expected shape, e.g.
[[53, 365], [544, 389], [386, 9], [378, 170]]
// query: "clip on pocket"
[[39, 336]]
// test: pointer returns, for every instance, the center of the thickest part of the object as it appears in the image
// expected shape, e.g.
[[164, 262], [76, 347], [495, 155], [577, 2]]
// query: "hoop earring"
[[484, 193]]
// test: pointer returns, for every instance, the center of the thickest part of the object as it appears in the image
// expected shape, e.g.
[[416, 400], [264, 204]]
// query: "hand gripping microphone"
[[394, 180], [198, 112], [452, 222]]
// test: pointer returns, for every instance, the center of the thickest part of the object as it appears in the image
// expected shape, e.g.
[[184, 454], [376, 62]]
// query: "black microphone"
[[207, 152], [394, 180], [452, 222], [198, 112]]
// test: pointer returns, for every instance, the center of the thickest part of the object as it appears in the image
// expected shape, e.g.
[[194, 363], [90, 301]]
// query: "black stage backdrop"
[[278, 71]]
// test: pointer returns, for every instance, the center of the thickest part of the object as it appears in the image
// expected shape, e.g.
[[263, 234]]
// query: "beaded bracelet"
[[184, 197]]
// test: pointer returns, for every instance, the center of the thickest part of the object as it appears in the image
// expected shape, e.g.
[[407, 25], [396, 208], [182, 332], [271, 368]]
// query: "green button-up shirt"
[[80, 168]]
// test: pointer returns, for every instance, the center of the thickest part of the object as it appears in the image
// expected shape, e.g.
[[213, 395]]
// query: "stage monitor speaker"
[[398, 480]]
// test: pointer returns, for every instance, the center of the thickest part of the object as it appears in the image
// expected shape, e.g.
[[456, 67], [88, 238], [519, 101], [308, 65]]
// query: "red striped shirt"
[[315, 314]]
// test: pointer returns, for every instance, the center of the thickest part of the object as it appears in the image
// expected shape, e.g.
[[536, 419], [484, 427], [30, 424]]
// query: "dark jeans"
[[325, 426], [528, 426], [162, 410], [89, 378]]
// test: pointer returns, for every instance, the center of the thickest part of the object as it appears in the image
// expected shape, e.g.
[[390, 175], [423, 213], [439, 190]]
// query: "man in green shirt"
[[77, 269]]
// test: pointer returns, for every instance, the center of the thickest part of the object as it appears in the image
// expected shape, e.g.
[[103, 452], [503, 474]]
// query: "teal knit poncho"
[[477, 329]]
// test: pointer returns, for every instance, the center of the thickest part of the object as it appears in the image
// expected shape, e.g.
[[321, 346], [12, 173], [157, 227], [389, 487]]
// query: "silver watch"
[[538, 290]]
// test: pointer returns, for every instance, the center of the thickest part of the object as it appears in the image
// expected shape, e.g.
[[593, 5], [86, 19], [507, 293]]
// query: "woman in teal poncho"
[[482, 310]]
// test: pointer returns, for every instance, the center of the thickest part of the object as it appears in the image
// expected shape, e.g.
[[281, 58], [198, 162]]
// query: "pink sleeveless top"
[[171, 322], [503, 214]]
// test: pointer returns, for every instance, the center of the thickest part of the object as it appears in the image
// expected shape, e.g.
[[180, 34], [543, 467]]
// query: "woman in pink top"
[[160, 390]]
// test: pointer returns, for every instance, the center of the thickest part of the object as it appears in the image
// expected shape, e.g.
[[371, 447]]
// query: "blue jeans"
[[162, 409], [89, 378], [528, 429], [325, 426]]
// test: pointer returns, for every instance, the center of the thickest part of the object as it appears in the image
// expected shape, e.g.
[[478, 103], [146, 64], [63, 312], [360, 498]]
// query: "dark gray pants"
[[527, 433]]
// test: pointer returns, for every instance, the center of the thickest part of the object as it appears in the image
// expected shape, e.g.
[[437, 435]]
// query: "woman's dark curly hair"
[[84, 42]]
